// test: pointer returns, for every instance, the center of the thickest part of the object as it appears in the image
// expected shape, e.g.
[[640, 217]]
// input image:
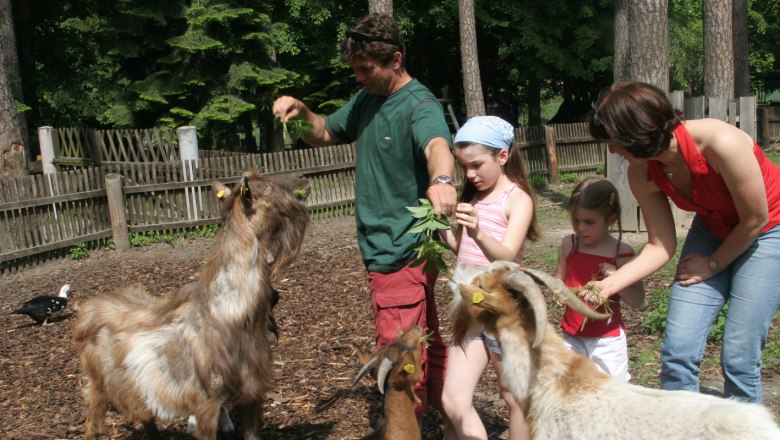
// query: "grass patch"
[[644, 365], [774, 157]]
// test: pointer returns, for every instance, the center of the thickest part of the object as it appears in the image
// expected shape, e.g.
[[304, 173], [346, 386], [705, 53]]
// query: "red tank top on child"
[[580, 270]]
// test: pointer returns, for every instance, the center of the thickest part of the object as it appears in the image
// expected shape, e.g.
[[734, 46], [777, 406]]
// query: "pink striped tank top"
[[493, 222]]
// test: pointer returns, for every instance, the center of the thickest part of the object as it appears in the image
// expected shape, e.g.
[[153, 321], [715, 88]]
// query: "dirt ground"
[[323, 310]]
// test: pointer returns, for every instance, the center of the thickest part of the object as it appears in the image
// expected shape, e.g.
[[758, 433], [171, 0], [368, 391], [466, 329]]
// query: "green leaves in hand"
[[430, 249], [292, 129]]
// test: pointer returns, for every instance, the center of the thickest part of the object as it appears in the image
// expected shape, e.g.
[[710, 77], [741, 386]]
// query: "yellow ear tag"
[[478, 298], [409, 368], [243, 190], [221, 194]]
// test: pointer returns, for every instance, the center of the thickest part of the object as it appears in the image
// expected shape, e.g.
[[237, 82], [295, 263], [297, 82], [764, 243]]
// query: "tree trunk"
[[381, 7], [11, 128], [620, 69], [472, 83], [718, 49], [533, 95], [648, 58], [741, 48]]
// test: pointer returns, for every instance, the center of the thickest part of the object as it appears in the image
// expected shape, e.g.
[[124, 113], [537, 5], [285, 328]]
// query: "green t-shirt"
[[391, 133]]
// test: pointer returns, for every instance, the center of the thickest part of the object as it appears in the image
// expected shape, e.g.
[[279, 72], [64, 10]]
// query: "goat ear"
[[221, 190], [472, 294], [244, 187]]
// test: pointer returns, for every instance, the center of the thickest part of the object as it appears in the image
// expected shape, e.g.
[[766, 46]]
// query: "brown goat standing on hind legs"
[[399, 367], [207, 346], [565, 396]]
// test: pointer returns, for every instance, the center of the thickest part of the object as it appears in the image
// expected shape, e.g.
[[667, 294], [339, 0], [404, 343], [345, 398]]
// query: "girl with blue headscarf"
[[495, 218]]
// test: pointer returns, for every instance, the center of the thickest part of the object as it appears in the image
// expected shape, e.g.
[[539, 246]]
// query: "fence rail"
[[41, 216]]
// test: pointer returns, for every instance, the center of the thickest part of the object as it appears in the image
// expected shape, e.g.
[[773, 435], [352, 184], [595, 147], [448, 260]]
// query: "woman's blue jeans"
[[751, 285]]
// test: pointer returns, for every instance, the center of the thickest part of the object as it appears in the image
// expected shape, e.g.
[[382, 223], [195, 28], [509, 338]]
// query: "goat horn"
[[367, 366], [563, 292], [522, 283], [381, 374]]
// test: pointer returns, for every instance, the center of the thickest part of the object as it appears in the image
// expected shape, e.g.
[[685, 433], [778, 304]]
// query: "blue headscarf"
[[490, 131]]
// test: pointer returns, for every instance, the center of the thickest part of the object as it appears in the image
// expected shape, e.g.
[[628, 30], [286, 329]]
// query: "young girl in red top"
[[495, 219], [588, 255]]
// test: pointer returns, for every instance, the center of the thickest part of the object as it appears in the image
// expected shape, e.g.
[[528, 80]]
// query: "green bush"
[[538, 181], [172, 240], [206, 231], [568, 177], [78, 251], [144, 238], [655, 314]]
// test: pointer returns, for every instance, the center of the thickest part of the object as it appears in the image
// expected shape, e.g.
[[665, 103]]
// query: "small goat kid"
[[399, 367], [205, 348], [564, 395]]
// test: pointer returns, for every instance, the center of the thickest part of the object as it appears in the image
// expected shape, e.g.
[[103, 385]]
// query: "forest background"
[[218, 64]]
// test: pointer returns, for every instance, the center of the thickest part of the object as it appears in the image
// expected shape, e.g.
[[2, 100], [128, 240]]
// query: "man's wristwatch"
[[714, 264], [442, 179]]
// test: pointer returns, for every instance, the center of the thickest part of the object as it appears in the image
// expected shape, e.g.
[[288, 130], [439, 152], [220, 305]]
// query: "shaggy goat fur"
[[206, 347], [565, 396], [399, 367]]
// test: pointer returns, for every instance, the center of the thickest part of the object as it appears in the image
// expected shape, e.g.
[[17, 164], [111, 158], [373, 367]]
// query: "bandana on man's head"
[[490, 131]]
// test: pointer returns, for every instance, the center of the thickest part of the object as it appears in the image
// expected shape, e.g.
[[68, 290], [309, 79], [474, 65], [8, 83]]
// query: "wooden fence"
[[769, 125], [42, 216]]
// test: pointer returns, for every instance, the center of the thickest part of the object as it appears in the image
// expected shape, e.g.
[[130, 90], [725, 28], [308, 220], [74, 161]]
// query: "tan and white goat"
[[206, 348], [399, 367], [565, 396]]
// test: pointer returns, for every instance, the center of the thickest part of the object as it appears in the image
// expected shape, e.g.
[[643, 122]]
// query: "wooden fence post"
[[188, 143], [747, 116], [46, 144], [552, 155], [188, 153], [719, 108], [116, 211], [763, 126]]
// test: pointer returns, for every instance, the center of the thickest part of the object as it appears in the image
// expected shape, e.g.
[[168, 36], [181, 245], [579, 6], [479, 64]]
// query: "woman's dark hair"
[[514, 168], [375, 36], [637, 116]]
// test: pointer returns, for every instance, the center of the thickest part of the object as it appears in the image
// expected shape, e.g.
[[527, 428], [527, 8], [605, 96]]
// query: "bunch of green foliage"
[[205, 231], [657, 308], [568, 177], [538, 181], [148, 238], [430, 249], [293, 130], [78, 251]]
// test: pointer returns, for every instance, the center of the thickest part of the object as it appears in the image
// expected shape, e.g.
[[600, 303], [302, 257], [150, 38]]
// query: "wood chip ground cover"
[[322, 312]]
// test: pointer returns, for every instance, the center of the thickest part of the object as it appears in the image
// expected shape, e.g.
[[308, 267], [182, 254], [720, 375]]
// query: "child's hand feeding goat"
[[563, 393], [205, 348]]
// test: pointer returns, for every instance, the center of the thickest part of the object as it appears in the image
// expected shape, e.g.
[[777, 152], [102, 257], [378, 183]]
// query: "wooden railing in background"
[[43, 215]]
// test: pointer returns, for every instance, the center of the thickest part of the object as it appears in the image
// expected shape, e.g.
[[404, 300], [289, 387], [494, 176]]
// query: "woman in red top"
[[732, 249]]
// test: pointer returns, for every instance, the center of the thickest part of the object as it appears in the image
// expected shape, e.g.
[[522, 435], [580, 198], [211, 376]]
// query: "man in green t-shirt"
[[403, 154]]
